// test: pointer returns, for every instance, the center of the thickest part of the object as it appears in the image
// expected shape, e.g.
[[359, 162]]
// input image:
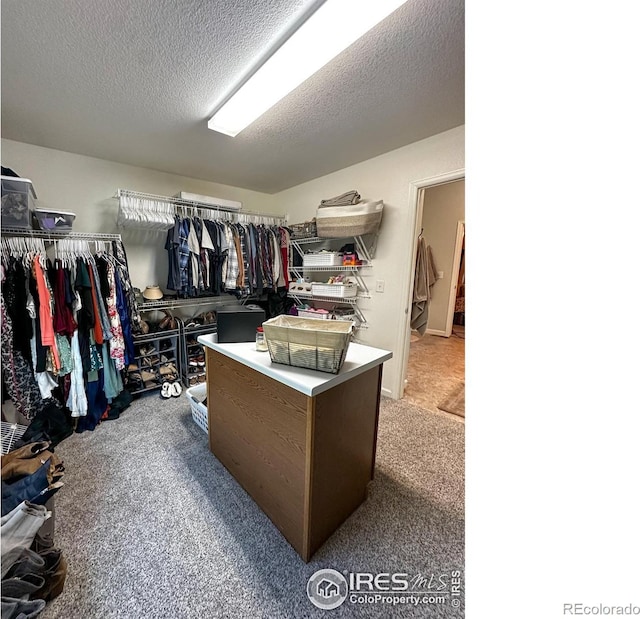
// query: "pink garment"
[[46, 314]]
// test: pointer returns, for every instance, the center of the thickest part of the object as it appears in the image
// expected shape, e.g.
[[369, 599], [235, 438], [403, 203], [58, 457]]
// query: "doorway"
[[434, 361]]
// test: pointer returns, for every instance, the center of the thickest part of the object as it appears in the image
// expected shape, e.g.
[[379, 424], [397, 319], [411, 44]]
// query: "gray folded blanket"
[[349, 197]]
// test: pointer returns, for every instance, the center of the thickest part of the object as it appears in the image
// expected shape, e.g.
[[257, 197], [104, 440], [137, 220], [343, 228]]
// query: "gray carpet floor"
[[153, 526]]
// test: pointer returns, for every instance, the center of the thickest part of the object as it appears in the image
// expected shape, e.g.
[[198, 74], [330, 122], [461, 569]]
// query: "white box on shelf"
[[322, 259], [195, 197], [339, 291], [310, 313]]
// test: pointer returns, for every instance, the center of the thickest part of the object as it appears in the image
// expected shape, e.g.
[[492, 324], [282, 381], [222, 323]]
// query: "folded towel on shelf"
[[349, 197]]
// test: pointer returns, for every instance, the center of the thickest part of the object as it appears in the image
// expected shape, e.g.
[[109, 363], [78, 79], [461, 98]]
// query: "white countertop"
[[359, 359]]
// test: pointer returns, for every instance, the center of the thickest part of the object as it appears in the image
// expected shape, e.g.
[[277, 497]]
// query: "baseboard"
[[386, 392], [437, 332]]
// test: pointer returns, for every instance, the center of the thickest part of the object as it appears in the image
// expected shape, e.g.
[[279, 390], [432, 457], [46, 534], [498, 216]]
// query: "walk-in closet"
[[207, 255]]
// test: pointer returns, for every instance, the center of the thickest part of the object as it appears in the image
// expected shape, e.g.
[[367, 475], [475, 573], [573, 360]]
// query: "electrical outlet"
[[440, 275], [380, 285]]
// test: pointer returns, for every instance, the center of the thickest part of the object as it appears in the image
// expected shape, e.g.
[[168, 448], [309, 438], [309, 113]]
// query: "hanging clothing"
[[116, 344], [17, 374], [77, 399], [63, 321], [122, 269], [46, 315], [425, 277], [14, 291]]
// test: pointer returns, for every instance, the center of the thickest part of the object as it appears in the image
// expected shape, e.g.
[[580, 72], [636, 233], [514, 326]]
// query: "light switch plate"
[[380, 285]]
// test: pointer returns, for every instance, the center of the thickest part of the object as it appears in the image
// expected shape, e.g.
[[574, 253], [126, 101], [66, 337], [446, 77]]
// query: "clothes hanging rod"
[[194, 204], [57, 236]]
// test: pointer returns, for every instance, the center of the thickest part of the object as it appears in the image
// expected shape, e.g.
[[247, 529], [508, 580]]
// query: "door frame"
[[455, 273], [414, 200]]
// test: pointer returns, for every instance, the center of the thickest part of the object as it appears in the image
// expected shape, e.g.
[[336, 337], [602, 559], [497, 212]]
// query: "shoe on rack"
[[168, 368]]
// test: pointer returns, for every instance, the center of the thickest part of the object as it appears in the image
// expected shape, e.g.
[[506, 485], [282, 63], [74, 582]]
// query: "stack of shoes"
[[168, 370], [34, 579]]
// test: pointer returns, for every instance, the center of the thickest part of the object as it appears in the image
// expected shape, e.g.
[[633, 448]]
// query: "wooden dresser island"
[[302, 443]]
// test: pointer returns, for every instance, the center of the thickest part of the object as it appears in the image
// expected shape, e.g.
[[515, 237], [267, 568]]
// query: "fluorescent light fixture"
[[329, 31]]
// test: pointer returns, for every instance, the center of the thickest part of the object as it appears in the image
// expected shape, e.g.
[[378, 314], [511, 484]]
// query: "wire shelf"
[[347, 300], [180, 202], [56, 236], [192, 302], [11, 432]]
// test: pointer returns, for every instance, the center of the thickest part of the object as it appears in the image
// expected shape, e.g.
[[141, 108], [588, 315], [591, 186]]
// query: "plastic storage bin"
[[18, 201], [322, 259], [312, 313], [308, 342], [339, 291], [198, 410], [47, 219]]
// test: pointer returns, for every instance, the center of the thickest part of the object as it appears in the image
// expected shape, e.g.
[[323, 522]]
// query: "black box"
[[239, 324]]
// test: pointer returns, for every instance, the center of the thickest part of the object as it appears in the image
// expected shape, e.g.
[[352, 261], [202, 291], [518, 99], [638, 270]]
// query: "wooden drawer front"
[[257, 429]]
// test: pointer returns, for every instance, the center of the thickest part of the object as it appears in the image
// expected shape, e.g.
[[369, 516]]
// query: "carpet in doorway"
[[153, 526], [454, 402]]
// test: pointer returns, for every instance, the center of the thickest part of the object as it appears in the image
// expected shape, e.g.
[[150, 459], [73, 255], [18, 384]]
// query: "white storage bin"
[[309, 313], [322, 259], [198, 410], [339, 291]]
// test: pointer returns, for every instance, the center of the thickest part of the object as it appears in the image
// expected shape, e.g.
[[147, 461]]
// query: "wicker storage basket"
[[339, 291], [308, 342], [350, 220]]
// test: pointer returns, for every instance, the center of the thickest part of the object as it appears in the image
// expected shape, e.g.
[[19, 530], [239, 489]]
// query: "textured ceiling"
[[136, 82]]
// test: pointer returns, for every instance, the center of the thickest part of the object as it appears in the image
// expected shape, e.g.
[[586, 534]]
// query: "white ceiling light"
[[329, 31]]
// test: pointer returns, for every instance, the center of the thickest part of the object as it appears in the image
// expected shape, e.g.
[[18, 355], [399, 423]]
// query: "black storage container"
[[239, 324]]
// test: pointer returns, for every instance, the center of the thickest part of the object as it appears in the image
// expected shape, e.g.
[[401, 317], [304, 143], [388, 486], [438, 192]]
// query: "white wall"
[[86, 186], [388, 177], [443, 209]]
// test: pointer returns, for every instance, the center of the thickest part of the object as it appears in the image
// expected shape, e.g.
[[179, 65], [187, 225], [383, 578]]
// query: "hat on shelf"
[[152, 293]]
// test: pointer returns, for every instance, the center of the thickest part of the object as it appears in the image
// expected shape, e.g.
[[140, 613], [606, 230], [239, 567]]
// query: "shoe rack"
[[192, 363], [157, 359]]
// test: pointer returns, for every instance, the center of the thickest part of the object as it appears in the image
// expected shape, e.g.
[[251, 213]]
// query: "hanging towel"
[[349, 197], [425, 277]]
